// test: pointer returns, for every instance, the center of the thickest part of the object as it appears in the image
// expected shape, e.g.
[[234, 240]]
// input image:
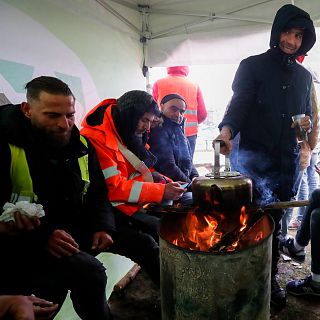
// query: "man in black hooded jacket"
[[268, 90]]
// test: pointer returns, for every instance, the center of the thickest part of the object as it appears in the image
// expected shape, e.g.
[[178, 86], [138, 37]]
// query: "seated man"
[[118, 129], [308, 230], [25, 308], [169, 144], [46, 162]]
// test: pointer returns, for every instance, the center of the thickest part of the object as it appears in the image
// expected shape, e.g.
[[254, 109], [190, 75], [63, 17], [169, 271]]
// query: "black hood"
[[131, 106], [290, 16]]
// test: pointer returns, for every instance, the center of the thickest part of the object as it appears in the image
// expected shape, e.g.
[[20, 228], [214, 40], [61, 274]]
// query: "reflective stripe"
[[24, 198], [116, 204], [191, 111], [134, 175], [136, 162], [135, 192], [84, 167], [110, 172], [191, 124]]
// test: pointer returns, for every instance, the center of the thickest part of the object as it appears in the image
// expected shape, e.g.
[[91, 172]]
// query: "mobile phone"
[[185, 185]]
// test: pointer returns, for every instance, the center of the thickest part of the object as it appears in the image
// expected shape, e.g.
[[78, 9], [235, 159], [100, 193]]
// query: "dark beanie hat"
[[171, 96]]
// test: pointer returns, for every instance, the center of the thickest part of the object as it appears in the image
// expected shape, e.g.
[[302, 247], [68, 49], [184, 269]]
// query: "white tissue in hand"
[[24, 207]]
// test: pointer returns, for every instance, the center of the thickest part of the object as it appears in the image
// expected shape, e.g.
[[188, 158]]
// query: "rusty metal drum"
[[197, 285]]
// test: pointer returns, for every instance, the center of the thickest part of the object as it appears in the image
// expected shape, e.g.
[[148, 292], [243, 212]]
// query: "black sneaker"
[[278, 295], [302, 287], [286, 246]]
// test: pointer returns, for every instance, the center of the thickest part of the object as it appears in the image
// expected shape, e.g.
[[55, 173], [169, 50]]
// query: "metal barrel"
[[201, 285]]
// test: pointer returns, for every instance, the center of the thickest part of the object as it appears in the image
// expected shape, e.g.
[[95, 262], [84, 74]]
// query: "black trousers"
[[26, 268], [276, 216], [135, 241]]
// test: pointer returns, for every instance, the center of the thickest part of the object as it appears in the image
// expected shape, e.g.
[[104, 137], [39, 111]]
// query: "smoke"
[[264, 189], [260, 169]]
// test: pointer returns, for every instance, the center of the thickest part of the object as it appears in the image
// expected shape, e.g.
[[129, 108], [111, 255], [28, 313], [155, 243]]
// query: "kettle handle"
[[216, 165]]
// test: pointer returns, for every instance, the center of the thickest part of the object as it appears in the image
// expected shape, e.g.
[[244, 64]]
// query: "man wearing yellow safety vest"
[[177, 82], [118, 129], [45, 161]]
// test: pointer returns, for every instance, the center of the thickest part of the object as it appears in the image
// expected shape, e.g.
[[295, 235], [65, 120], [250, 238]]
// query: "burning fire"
[[201, 232], [243, 226], [243, 218]]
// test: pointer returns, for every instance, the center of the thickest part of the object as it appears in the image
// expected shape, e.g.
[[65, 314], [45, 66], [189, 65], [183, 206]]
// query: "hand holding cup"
[[302, 125]]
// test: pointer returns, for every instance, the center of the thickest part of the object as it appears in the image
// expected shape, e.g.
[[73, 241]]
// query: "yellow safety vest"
[[22, 186]]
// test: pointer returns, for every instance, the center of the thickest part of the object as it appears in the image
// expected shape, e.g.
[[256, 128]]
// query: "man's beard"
[[176, 120], [52, 139]]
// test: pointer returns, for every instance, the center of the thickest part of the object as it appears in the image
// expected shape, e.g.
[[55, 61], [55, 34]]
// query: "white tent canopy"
[[99, 46], [176, 32]]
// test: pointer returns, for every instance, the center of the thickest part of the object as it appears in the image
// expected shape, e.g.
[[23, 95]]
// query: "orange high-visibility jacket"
[[126, 189], [177, 82]]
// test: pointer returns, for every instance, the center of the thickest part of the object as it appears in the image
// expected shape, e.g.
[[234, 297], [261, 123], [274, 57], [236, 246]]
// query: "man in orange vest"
[[177, 82]]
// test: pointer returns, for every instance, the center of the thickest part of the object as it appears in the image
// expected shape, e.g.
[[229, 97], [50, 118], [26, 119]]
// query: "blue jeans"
[[306, 182], [288, 212], [309, 230], [309, 183]]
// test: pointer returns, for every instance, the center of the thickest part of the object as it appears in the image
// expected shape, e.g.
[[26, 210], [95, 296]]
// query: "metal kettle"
[[221, 191]]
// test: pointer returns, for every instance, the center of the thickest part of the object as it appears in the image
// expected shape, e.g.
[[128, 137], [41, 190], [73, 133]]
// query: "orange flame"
[[243, 218], [199, 232], [243, 225]]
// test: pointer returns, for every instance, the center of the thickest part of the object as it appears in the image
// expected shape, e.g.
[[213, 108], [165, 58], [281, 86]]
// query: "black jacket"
[[169, 144], [268, 90], [56, 179]]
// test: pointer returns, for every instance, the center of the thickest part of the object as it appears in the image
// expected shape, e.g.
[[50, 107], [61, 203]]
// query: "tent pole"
[[118, 15], [144, 10], [148, 84]]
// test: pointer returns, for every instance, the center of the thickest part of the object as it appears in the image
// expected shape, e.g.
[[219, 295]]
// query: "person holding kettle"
[[269, 89]]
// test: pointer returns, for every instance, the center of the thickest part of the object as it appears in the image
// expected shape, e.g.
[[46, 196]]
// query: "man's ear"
[[25, 108]]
